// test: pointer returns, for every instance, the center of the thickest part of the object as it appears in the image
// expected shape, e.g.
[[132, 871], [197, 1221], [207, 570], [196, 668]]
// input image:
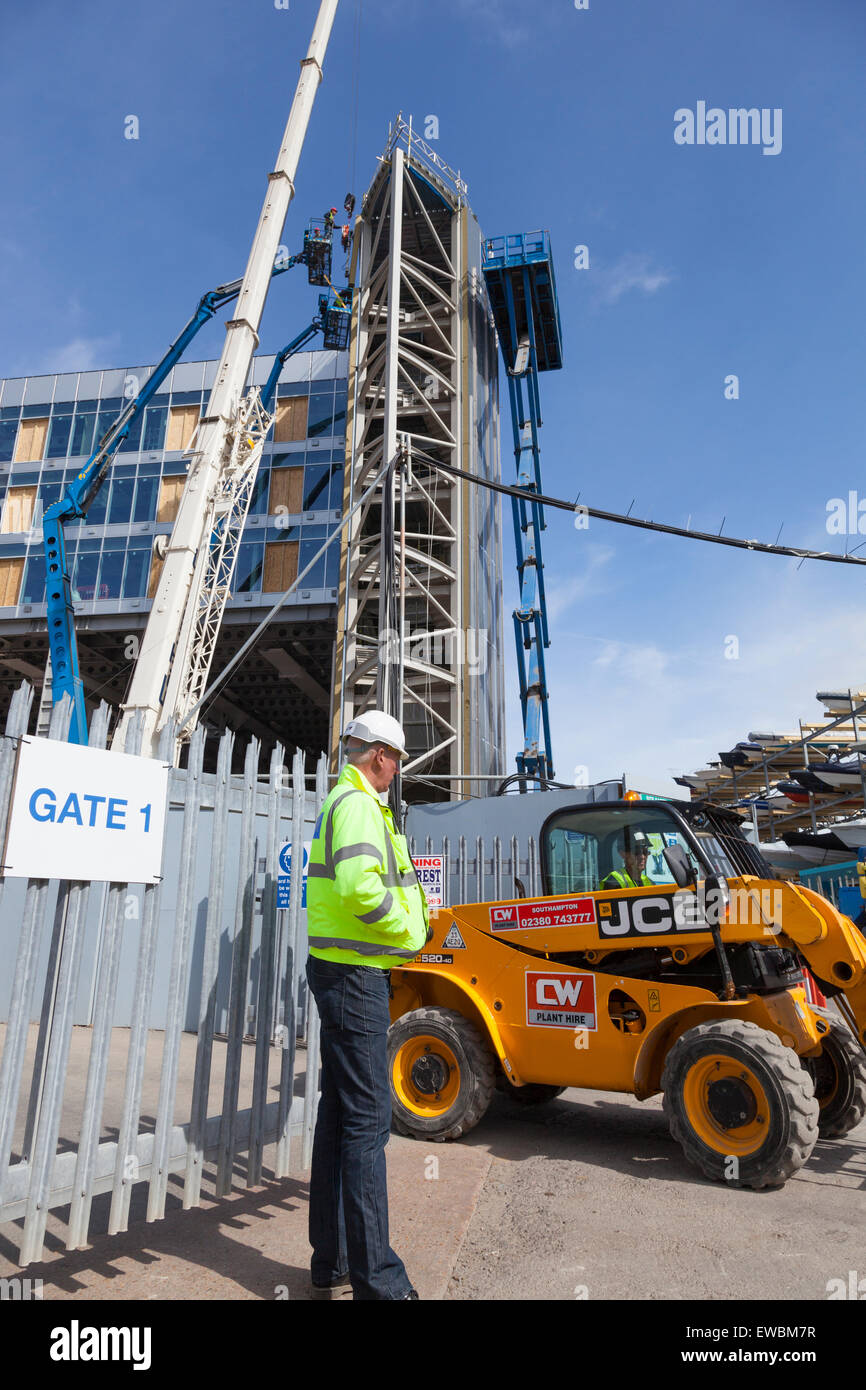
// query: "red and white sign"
[[429, 867], [564, 912], [560, 999]]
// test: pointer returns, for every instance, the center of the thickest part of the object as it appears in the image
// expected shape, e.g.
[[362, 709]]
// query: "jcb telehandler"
[[690, 984]]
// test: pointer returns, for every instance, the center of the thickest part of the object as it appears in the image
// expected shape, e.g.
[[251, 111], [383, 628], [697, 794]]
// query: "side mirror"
[[680, 866]]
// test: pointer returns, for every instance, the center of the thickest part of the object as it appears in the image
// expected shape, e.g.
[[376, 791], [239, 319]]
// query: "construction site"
[[218, 571]]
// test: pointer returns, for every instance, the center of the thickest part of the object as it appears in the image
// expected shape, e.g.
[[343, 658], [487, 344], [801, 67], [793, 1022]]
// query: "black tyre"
[[442, 1074], [533, 1093], [733, 1091], [839, 1074]]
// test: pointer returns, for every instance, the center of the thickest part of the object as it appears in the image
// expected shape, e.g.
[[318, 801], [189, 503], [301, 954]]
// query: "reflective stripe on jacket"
[[365, 905], [623, 880]]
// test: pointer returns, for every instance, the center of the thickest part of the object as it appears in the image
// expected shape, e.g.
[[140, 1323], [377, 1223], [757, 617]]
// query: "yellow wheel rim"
[[726, 1105], [426, 1076]]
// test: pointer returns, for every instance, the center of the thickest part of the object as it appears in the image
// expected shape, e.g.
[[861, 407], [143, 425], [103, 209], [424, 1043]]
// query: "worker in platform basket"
[[366, 912], [634, 849]]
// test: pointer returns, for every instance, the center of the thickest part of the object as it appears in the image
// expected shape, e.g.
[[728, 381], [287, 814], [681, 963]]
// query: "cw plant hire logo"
[[735, 126]]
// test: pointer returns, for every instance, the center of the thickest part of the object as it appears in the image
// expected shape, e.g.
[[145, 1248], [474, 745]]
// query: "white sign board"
[[83, 813], [429, 870]]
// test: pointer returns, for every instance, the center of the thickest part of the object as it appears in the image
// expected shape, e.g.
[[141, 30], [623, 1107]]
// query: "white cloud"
[[645, 665], [78, 355], [562, 595], [633, 271], [657, 712]]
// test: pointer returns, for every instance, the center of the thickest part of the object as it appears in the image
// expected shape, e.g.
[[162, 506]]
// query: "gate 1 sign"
[[83, 813]]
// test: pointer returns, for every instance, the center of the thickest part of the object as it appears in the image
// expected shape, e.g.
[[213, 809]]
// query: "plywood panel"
[[11, 571], [170, 494], [287, 491], [156, 565], [281, 566], [290, 424], [18, 509], [31, 440], [182, 420]]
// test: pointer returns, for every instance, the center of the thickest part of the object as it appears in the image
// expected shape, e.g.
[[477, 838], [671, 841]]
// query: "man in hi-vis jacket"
[[366, 911]]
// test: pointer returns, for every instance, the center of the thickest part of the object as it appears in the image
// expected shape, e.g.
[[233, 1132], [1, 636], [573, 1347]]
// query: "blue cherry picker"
[[518, 270], [332, 321]]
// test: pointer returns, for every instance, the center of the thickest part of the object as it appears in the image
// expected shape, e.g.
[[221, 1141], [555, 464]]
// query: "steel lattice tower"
[[423, 376]]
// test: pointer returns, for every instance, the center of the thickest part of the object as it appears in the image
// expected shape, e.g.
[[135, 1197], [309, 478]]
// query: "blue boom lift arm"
[[66, 676], [519, 274], [332, 321]]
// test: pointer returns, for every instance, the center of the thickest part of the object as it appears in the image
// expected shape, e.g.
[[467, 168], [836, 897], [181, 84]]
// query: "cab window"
[[583, 847]]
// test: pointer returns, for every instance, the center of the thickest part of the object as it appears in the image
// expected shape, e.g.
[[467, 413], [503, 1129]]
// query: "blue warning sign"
[[284, 876]]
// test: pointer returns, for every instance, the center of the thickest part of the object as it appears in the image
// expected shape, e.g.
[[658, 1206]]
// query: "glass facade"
[[45, 443]]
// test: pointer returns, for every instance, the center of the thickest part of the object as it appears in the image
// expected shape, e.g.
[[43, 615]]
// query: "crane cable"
[[578, 508]]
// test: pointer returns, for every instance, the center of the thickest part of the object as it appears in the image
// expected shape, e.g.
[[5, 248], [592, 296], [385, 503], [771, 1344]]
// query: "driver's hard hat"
[[634, 841], [378, 727]]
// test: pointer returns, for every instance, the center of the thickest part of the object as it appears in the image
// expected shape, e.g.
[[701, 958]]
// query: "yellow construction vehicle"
[[690, 984]]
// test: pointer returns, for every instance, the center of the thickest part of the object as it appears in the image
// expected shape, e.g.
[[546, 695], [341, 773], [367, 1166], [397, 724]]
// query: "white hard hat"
[[377, 727]]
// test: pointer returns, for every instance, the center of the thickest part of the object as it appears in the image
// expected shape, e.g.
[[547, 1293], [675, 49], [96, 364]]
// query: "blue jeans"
[[348, 1188]]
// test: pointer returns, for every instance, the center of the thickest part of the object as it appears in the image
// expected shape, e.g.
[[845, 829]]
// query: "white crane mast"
[[180, 636]]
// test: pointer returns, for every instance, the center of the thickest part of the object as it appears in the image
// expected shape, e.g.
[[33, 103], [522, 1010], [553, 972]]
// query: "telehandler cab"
[[690, 984]]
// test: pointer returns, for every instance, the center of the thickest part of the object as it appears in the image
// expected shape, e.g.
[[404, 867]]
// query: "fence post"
[[311, 1085], [126, 1161], [241, 944], [209, 971], [178, 984], [97, 1068], [267, 956], [55, 1033]]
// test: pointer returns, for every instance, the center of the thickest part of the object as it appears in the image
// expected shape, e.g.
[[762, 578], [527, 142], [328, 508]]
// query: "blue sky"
[[704, 261]]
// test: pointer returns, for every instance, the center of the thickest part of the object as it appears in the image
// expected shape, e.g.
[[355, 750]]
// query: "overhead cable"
[[527, 495]]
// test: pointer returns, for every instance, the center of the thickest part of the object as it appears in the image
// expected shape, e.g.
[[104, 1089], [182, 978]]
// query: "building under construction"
[[421, 372]]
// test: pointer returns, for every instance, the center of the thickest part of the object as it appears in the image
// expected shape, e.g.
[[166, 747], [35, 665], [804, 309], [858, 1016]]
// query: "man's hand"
[[429, 935]]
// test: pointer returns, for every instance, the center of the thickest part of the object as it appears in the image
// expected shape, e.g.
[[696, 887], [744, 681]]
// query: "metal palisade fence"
[[477, 871], [153, 1030], [150, 1032]]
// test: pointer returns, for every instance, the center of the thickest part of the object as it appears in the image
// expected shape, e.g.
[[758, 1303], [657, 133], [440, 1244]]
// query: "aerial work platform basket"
[[336, 319], [522, 288], [318, 241]]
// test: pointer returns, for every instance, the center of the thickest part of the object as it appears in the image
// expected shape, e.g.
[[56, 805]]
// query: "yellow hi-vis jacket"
[[624, 880], [365, 905]]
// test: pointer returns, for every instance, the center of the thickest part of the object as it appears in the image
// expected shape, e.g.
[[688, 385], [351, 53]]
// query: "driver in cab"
[[634, 849]]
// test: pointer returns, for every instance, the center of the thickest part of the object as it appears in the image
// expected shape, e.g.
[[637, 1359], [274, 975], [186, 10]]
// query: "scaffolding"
[[419, 615]]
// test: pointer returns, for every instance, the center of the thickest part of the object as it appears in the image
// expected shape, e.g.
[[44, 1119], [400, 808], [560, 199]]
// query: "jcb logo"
[[647, 916]]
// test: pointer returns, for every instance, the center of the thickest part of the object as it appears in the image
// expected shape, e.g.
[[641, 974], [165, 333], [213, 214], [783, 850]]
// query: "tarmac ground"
[[587, 1197]]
